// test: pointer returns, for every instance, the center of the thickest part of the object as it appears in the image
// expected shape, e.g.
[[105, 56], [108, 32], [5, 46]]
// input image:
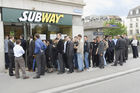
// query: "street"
[[124, 84]]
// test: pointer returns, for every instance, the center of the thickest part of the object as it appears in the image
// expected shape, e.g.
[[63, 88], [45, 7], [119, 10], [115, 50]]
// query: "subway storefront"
[[28, 22]]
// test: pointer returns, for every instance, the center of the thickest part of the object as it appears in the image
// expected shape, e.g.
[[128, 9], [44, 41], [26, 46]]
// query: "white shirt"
[[135, 42], [18, 51], [65, 46]]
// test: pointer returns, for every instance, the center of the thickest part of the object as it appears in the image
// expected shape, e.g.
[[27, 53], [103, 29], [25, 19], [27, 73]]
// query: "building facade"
[[94, 25], [46, 17], [133, 22]]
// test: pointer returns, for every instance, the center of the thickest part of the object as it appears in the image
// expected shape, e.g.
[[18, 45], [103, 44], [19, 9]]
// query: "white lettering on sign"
[[24, 18], [30, 16]]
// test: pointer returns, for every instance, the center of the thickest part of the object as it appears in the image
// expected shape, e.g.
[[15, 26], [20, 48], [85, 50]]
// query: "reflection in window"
[[50, 29]]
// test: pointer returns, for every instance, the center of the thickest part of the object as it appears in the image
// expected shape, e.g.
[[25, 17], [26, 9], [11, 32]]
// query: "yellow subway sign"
[[17, 15]]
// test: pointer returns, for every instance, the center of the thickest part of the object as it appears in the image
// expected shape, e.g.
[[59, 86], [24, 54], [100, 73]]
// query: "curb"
[[88, 82]]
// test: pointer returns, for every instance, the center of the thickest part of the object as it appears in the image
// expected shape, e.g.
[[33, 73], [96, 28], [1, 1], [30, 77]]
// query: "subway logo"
[[30, 16]]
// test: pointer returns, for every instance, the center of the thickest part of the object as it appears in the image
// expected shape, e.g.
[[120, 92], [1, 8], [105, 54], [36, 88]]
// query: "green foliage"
[[113, 31]]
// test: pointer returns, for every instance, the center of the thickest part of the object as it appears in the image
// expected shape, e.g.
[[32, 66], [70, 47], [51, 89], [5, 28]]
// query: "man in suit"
[[110, 50], [30, 48], [11, 55], [70, 55], [6, 40], [60, 51], [127, 45], [119, 49], [23, 44], [65, 50], [100, 52]]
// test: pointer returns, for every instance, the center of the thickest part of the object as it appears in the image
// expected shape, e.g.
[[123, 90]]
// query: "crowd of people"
[[68, 55]]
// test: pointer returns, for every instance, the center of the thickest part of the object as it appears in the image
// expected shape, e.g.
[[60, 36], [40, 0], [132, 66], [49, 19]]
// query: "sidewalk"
[[52, 80]]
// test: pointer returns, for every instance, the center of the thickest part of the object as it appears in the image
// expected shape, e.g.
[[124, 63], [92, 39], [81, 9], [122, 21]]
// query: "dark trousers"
[[126, 53], [95, 61], [124, 59], [40, 60], [61, 62], [119, 56], [70, 63], [110, 55], [11, 63], [101, 61], [75, 61], [6, 61], [30, 62], [135, 51], [89, 58], [65, 61]]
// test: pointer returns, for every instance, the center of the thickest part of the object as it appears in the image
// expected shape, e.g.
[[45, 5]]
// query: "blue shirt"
[[39, 45], [6, 45]]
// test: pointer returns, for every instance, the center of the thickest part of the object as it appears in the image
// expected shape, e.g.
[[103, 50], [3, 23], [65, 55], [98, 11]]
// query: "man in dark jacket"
[[23, 44], [94, 46], [100, 52], [30, 51], [70, 55], [60, 51], [127, 45], [119, 49], [110, 50], [11, 55]]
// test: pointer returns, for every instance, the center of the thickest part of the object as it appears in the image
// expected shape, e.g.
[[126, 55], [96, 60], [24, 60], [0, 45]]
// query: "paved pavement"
[[52, 80], [129, 83]]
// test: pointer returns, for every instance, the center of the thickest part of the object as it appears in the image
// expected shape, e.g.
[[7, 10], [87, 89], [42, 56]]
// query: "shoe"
[[80, 71], [102, 67], [69, 72], [60, 73], [37, 77], [26, 77], [114, 65], [42, 74], [17, 77], [11, 74]]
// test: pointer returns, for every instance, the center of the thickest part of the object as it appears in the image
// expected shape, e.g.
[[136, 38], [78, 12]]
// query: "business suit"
[[11, 57], [100, 54], [70, 55], [124, 42], [23, 44], [126, 49], [65, 55], [30, 48], [50, 56], [120, 46], [110, 52], [60, 52]]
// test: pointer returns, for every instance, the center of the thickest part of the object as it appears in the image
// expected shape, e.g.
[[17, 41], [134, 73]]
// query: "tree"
[[114, 28]]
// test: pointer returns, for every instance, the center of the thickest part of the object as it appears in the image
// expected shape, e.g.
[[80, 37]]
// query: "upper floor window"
[[131, 25], [137, 19], [137, 24], [137, 11], [131, 12], [131, 32], [137, 31]]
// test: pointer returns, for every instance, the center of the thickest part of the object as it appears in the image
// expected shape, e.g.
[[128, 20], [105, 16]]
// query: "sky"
[[109, 7]]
